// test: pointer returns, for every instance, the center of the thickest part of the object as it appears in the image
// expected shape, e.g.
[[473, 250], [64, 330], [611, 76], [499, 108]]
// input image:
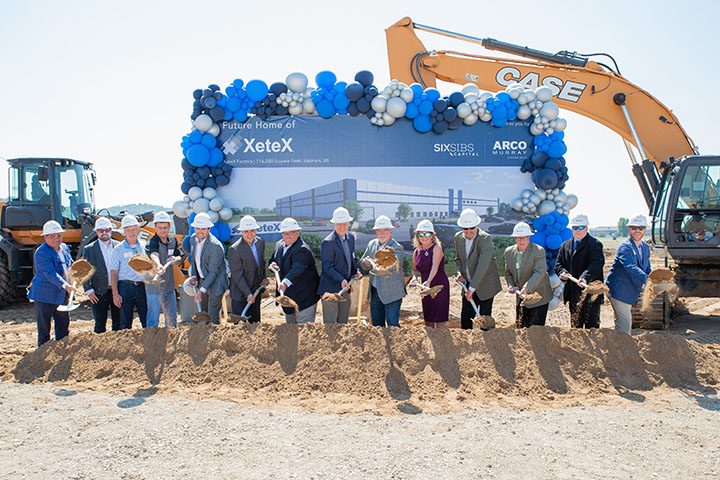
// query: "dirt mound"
[[355, 368]]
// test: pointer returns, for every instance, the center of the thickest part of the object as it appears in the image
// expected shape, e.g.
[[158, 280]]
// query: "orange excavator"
[[680, 186]]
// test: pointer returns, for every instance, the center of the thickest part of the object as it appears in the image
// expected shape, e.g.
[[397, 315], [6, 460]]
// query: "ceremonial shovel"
[[282, 299]]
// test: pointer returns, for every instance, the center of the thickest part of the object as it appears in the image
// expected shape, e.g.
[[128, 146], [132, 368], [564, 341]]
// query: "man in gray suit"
[[98, 253], [387, 291], [246, 258], [207, 267], [476, 266]]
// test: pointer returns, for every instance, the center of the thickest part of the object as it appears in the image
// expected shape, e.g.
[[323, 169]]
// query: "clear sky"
[[112, 82]]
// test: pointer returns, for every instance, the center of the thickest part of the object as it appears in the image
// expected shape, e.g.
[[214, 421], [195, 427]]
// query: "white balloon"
[[463, 110], [561, 196], [379, 103], [544, 94], [523, 112], [550, 111], [517, 204], [201, 205], [214, 130], [545, 207], [213, 216], [216, 204], [308, 106], [526, 193], [555, 191], [470, 88], [225, 214], [536, 129], [209, 193], [407, 95], [486, 117], [388, 119], [560, 124], [470, 119], [189, 212], [396, 107], [195, 192], [186, 199], [203, 122], [572, 201], [296, 82], [534, 199], [525, 209], [525, 201], [179, 208], [471, 98], [296, 109]]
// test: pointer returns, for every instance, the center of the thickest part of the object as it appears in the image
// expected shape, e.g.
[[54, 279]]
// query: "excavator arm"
[[579, 85]]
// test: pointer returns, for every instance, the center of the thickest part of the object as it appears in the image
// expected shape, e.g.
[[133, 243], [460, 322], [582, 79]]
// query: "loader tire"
[[8, 288]]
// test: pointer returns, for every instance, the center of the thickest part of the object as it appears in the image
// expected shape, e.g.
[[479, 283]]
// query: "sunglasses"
[[579, 227], [636, 228], [104, 230], [469, 228], [424, 234]]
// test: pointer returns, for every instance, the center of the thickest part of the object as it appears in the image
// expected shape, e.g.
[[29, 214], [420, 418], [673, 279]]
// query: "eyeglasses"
[[469, 228], [424, 234], [104, 230], [636, 228], [579, 227]]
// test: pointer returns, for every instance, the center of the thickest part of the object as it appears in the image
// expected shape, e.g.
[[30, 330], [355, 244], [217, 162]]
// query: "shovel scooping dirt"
[[483, 322], [282, 299], [337, 297]]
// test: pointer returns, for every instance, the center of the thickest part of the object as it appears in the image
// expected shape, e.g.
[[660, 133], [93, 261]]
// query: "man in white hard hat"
[[99, 253], [164, 251], [207, 267], [386, 291], [49, 287], [475, 261], [127, 285], [629, 273], [582, 258], [298, 273], [526, 272], [337, 255], [246, 258]]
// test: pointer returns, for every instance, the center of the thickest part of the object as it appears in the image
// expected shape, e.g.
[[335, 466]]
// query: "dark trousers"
[[468, 312], [100, 313], [586, 312], [133, 297], [253, 312], [44, 314], [527, 317]]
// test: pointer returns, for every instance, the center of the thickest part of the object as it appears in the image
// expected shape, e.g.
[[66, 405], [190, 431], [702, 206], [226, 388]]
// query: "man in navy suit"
[[97, 288], [337, 254], [49, 286], [628, 273]]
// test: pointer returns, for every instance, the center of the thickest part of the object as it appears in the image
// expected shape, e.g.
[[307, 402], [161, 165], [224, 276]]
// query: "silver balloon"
[[201, 205], [544, 94], [571, 201], [225, 214], [526, 193], [470, 88], [296, 82], [396, 107], [470, 119], [209, 193], [180, 209], [407, 95], [517, 204], [194, 193], [535, 199], [546, 207], [216, 204], [379, 103], [214, 130], [203, 123], [213, 216], [463, 110], [550, 111]]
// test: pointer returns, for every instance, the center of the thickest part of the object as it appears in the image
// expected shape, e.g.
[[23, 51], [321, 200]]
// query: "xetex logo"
[[456, 149], [253, 146], [506, 147]]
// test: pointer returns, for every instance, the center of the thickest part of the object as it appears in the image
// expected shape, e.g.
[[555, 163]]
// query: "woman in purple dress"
[[428, 259]]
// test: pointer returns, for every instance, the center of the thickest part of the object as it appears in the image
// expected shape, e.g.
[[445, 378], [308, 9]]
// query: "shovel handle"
[[257, 290], [472, 302], [277, 280], [575, 281], [348, 286]]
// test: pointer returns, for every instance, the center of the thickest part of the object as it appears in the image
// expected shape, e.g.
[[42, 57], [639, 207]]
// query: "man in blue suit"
[[337, 254], [628, 274], [49, 286]]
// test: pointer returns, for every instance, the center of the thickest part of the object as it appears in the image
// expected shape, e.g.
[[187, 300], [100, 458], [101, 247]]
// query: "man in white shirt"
[[97, 288]]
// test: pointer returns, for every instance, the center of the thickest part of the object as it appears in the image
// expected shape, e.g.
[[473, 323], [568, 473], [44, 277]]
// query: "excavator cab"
[[41, 189]]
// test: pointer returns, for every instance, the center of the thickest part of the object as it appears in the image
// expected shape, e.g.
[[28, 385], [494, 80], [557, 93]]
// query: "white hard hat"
[[51, 226], [341, 215], [383, 221], [102, 223], [248, 223], [425, 226], [129, 221], [468, 218], [638, 221], [289, 225], [202, 220], [189, 289], [162, 217], [579, 221], [522, 229]]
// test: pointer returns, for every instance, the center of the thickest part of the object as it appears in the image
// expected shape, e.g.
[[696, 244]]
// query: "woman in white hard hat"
[[49, 286], [526, 272], [428, 261], [386, 291], [628, 273]]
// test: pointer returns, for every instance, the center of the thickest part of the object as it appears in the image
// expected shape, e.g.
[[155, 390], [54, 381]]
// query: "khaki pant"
[[336, 312], [306, 315]]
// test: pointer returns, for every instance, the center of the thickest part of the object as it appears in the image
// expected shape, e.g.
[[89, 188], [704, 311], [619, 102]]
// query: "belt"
[[131, 282]]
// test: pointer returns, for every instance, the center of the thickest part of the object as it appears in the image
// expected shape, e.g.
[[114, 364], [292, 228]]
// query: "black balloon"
[[440, 127], [456, 99], [354, 92], [450, 114], [365, 78], [185, 188], [439, 105], [278, 88]]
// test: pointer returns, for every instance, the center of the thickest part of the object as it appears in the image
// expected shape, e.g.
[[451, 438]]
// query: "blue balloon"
[[440, 105], [450, 114], [456, 99], [365, 78], [411, 111], [566, 234], [325, 79], [425, 107], [256, 90], [216, 157], [553, 242], [546, 179], [240, 116], [354, 92], [221, 231], [538, 238], [185, 188], [208, 140], [325, 109], [341, 102], [222, 180], [432, 94], [557, 149], [198, 155], [422, 124], [195, 136], [417, 89]]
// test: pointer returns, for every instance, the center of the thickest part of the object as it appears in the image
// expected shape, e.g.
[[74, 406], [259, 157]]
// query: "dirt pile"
[[355, 368]]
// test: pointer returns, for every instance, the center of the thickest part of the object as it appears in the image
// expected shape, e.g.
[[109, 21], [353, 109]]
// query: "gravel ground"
[[58, 433]]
